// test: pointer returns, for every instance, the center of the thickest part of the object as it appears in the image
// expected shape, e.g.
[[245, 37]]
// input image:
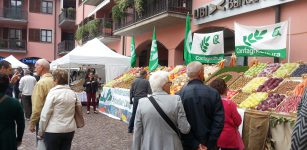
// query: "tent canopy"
[[15, 62], [94, 53]]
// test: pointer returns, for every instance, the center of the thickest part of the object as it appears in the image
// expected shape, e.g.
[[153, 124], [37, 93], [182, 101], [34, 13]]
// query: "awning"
[[102, 4]]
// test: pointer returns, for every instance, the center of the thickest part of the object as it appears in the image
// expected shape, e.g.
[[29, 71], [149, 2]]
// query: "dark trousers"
[[27, 105], [91, 100], [135, 106], [58, 141], [229, 149]]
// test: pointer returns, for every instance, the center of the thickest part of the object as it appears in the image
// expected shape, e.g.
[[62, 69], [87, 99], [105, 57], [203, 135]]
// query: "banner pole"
[[289, 40]]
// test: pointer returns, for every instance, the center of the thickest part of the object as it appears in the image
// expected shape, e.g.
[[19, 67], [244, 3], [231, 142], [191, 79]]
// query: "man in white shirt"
[[26, 86]]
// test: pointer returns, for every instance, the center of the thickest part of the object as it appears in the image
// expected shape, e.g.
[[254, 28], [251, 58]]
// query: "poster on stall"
[[115, 103], [207, 48], [261, 41]]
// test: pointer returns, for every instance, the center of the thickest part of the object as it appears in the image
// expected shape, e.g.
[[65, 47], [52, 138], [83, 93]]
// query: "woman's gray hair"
[[157, 80]]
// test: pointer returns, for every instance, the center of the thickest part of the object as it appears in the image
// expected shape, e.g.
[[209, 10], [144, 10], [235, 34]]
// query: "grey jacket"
[[151, 132], [140, 88]]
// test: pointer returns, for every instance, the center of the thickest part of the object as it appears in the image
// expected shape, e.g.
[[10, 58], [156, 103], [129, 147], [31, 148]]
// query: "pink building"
[[169, 19], [32, 29], [46, 30]]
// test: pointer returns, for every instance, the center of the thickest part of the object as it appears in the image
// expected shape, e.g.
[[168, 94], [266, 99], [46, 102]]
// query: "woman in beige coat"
[[57, 124], [151, 132]]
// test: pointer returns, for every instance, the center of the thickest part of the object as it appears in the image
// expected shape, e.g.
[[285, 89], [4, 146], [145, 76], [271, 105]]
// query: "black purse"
[[164, 116]]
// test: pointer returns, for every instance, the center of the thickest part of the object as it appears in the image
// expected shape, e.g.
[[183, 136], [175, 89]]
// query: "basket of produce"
[[267, 71], [239, 83], [286, 87], [271, 102], [269, 84], [255, 69], [302, 69], [239, 97], [253, 100], [253, 85], [209, 70], [289, 105], [285, 70], [178, 83]]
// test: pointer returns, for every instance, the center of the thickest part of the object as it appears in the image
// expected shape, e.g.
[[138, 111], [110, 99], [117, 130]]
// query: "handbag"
[[164, 116], [78, 115], [41, 145]]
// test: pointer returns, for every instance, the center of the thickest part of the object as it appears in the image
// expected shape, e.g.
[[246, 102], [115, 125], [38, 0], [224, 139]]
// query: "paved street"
[[100, 133]]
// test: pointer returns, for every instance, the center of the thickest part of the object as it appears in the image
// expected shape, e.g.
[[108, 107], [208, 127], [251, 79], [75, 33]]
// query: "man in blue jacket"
[[204, 110]]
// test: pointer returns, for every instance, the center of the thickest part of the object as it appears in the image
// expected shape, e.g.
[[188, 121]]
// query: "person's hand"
[[32, 128], [202, 147]]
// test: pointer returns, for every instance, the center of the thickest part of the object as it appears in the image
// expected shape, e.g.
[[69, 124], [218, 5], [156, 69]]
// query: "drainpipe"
[[277, 20], [54, 42]]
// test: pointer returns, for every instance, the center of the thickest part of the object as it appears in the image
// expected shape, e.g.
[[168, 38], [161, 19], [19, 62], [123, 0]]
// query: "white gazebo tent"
[[95, 54], [15, 62]]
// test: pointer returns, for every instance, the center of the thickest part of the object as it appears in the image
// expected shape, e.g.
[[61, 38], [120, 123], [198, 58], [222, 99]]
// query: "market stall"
[[15, 62]]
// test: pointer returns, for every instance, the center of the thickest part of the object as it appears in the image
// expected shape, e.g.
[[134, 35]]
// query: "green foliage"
[[91, 29], [118, 10], [80, 33], [138, 5]]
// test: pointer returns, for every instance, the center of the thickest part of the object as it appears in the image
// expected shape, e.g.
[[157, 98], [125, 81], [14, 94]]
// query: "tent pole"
[[69, 75]]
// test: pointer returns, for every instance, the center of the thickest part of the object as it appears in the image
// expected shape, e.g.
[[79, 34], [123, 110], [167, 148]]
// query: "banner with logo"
[[115, 103], [263, 41], [153, 59], [208, 48]]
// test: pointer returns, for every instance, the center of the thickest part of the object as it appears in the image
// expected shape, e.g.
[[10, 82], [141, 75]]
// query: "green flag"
[[187, 40], [153, 60], [133, 53]]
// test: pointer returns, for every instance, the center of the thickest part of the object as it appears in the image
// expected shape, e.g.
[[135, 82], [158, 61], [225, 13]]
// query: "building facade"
[[33, 29]]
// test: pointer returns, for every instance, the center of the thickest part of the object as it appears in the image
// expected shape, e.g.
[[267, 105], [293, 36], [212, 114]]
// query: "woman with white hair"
[[151, 131]]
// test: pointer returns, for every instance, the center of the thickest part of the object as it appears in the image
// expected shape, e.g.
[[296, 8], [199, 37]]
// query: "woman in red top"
[[230, 138]]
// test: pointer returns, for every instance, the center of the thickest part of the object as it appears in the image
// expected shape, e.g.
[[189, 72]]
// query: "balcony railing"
[[13, 45], [67, 14], [153, 8], [66, 46], [104, 29], [13, 13]]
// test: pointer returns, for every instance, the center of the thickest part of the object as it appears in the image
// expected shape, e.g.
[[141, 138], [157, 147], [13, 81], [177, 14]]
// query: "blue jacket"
[[205, 113]]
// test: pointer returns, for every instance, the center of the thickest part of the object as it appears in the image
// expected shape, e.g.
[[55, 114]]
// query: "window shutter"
[[35, 6], [34, 35], [5, 33], [24, 34]]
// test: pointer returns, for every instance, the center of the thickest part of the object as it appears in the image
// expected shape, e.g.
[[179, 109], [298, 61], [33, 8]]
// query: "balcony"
[[14, 46], [16, 16], [92, 2], [155, 13], [65, 46], [67, 18], [98, 28]]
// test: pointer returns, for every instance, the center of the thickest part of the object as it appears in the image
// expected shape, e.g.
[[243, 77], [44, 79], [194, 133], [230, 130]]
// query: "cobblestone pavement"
[[99, 133]]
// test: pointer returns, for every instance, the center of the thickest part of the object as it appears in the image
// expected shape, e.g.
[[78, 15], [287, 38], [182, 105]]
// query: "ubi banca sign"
[[219, 9]]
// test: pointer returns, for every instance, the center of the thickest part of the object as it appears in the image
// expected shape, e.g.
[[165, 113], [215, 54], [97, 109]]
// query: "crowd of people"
[[198, 117]]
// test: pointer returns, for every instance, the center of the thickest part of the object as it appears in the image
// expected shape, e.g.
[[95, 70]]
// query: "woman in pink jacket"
[[230, 138]]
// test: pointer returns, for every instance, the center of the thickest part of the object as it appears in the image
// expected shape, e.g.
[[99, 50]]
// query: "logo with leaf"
[[254, 37], [204, 44], [276, 32], [216, 39]]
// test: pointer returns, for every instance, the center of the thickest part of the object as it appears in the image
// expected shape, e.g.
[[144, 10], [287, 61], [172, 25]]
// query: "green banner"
[[207, 58], [249, 51]]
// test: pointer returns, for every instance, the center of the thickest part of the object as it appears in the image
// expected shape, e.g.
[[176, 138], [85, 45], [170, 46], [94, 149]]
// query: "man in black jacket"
[[91, 87], [139, 88], [204, 110]]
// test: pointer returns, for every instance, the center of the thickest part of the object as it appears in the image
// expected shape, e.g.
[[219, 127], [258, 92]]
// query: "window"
[[46, 36], [47, 7], [16, 3], [15, 34]]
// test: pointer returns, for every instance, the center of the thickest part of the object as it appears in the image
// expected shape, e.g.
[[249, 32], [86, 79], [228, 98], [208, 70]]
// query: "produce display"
[[253, 100], [177, 71], [289, 105], [178, 83], [124, 82], [253, 84], [209, 71], [240, 97], [285, 70], [240, 83], [299, 89], [271, 102], [228, 77], [302, 69], [255, 69], [231, 93], [269, 84], [271, 68], [286, 86]]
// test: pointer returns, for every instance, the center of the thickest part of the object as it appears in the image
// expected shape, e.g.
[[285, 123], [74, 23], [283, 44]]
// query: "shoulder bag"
[[78, 115]]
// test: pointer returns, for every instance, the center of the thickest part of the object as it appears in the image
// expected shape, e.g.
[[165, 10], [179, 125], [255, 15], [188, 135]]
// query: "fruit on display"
[[125, 81], [271, 102], [269, 69], [209, 70], [177, 71], [233, 60], [253, 84], [285, 70], [239, 97], [228, 77], [302, 69], [221, 64], [253, 100], [289, 105], [255, 69], [286, 86], [299, 89], [231, 93], [178, 83], [269, 84], [240, 83]]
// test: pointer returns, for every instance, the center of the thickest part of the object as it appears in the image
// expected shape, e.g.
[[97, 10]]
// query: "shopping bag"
[[41, 145]]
